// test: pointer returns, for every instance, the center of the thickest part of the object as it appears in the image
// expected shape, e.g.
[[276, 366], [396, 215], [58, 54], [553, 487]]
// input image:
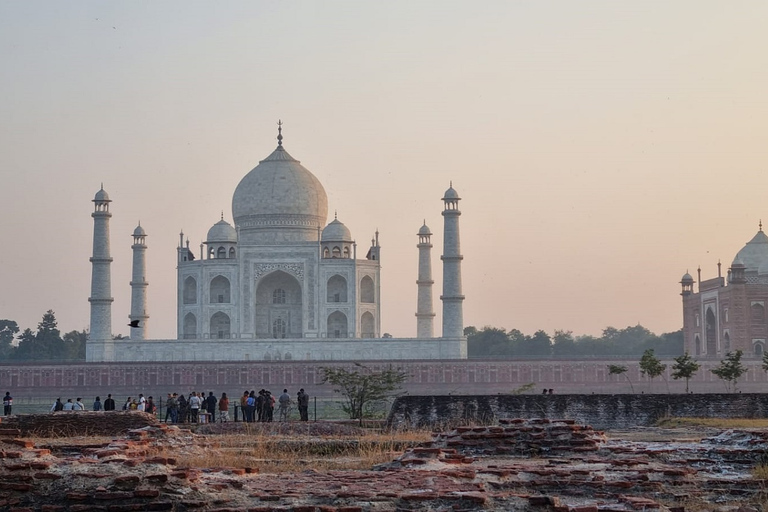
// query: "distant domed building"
[[280, 283], [726, 314]]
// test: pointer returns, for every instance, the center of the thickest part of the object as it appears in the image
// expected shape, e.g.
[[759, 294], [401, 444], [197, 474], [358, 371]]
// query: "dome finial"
[[760, 224], [279, 133], [222, 214], [335, 215]]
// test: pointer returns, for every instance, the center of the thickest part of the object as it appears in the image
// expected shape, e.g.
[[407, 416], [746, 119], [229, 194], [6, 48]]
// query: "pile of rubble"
[[518, 465]]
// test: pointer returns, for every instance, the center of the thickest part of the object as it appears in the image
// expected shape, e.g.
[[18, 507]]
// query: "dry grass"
[[713, 422], [278, 453]]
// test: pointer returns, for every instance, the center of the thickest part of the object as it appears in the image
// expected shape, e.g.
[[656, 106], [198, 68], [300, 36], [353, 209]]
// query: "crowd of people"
[[196, 407]]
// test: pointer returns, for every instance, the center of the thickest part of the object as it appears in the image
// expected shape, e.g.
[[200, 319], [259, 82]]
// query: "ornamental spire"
[[279, 133]]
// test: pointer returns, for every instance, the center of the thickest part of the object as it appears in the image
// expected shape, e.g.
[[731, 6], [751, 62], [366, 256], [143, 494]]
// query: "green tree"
[[730, 370], [363, 387], [685, 367], [45, 344], [651, 366], [540, 344], [8, 330], [563, 344], [75, 344], [615, 369], [490, 341]]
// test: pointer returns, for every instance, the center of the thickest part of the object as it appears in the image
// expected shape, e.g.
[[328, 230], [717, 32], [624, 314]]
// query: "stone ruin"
[[518, 465]]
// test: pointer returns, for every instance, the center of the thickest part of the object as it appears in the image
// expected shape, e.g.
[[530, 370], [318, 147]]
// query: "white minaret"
[[453, 312], [139, 285], [101, 283], [425, 316]]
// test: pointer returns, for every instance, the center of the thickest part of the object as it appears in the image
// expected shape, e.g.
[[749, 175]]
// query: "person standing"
[[149, 406], [97, 404], [243, 406], [142, 406], [194, 406], [303, 400], [7, 404], [173, 408], [223, 408], [284, 405], [109, 403], [210, 406]]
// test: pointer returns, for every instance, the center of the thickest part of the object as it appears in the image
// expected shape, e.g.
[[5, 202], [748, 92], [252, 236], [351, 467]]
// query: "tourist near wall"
[[428, 377], [599, 411]]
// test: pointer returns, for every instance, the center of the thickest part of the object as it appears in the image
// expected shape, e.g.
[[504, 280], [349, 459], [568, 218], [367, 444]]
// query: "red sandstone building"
[[728, 313]]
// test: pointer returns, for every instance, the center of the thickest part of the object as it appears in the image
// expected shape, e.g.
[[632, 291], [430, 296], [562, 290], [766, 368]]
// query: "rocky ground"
[[517, 465]]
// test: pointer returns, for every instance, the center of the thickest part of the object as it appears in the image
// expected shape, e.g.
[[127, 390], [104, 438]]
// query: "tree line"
[[44, 344], [631, 341]]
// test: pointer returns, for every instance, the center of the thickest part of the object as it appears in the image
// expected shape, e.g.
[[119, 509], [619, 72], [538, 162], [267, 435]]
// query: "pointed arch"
[[337, 289], [337, 325], [220, 326], [221, 253], [278, 297], [710, 324], [367, 325], [367, 294], [190, 290], [232, 253], [190, 327], [220, 290]]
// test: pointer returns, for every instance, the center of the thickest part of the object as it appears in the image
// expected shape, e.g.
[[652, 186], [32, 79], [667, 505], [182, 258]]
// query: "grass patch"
[[713, 422]]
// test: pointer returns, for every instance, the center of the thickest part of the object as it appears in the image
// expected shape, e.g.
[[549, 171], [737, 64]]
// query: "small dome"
[[737, 262], [687, 278], [755, 253], [336, 231], [451, 193], [424, 230], [139, 231], [102, 196], [222, 231]]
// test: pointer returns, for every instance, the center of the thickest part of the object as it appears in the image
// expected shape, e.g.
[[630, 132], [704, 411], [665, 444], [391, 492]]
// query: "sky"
[[601, 148]]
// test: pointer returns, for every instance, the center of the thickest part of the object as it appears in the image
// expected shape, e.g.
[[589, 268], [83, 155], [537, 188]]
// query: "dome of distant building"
[[687, 278], [139, 231], [222, 231], [451, 193], [280, 194], [755, 253], [336, 231], [101, 195], [424, 230]]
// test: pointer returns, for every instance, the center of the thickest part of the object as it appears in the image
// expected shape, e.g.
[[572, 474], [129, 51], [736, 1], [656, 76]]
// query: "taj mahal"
[[280, 284]]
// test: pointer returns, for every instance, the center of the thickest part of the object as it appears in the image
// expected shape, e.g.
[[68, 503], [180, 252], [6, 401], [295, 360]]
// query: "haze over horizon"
[[601, 149]]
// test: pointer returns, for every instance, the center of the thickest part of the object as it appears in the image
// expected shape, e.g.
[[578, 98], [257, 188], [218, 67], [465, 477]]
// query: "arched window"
[[220, 326], [190, 327], [220, 290], [278, 328], [221, 253], [710, 325], [367, 327], [336, 253], [337, 289], [211, 253], [326, 253], [190, 290], [726, 342], [346, 252], [697, 345], [231, 252], [337, 325], [759, 348], [278, 296], [366, 290], [758, 312]]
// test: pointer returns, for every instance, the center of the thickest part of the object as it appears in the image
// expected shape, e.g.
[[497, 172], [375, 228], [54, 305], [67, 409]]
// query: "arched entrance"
[[337, 325], [711, 332], [278, 306]]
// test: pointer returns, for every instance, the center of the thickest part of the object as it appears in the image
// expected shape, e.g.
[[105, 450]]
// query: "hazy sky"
[[601, 148]]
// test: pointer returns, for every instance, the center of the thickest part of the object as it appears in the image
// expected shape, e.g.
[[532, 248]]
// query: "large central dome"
[[279, 201]]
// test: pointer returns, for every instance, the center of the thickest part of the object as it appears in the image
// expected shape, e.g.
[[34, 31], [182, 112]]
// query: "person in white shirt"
[[79, 405], [194, 406], [69, 406], [142, 403]]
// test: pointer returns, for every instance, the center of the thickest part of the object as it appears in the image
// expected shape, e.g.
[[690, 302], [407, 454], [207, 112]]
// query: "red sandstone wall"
[[424, 377]]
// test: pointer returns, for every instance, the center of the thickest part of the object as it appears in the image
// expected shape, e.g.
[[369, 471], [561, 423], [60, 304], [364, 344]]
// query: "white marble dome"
[[336, 231], [755, 253], [280, 194], [424, 230], [139, 231], [222, 231], [101, 196], [451, 193]]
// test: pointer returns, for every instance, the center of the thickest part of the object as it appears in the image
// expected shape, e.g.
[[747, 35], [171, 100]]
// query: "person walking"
[[7, 403], [223, 408], [97, 404], [109, 403]]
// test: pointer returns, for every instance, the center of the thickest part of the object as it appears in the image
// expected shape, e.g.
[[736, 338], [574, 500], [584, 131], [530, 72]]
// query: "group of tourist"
[[180, 409]]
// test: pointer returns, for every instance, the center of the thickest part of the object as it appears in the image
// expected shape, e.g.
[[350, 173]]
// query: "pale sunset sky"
[[601, 148]]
